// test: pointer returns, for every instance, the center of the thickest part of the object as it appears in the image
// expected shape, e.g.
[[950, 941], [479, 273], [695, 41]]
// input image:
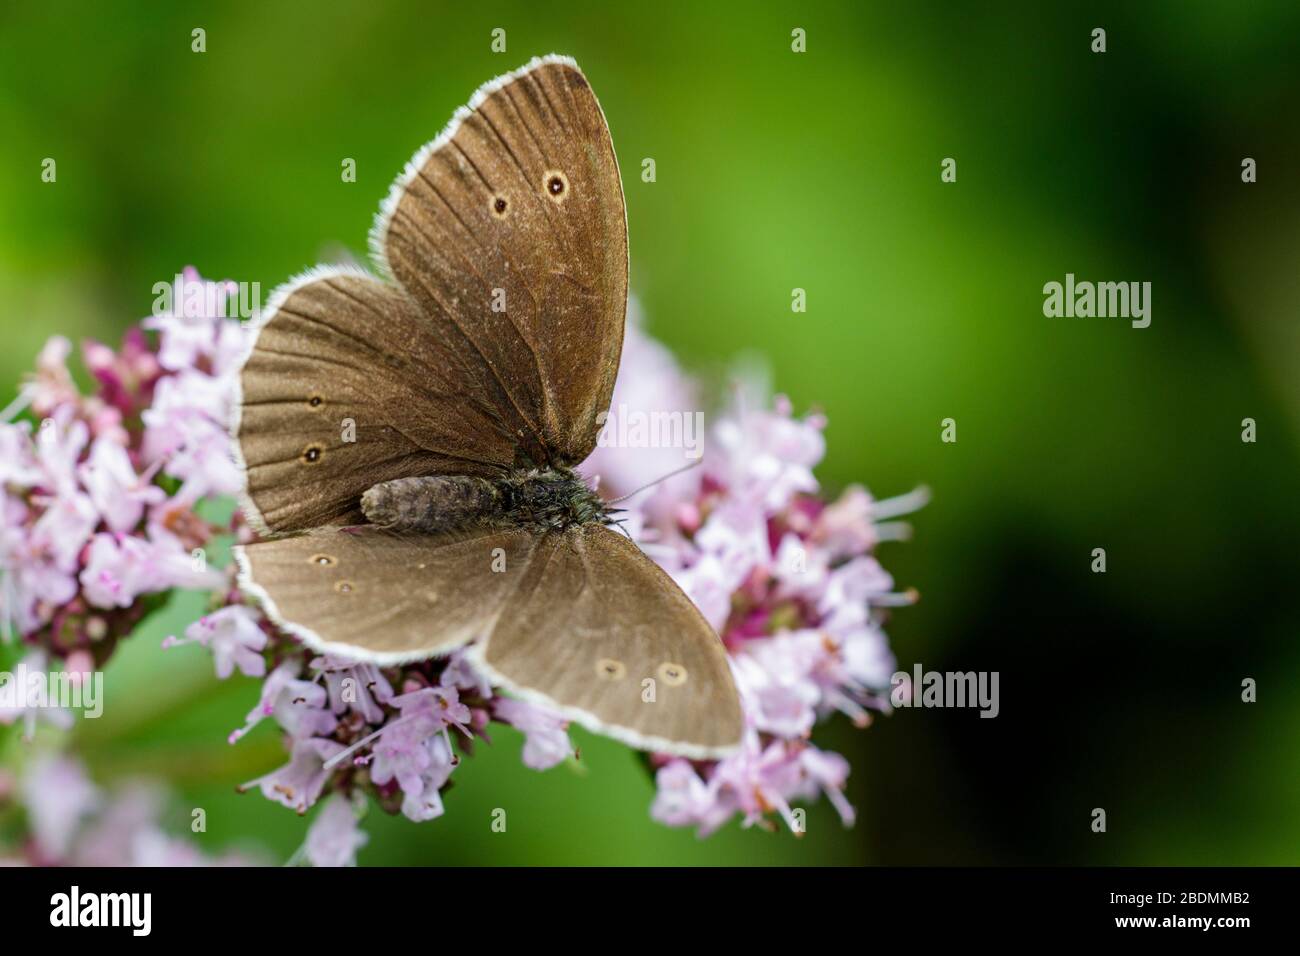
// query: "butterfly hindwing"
[[382, 597], [598, 631], [578, 620], [510, 230]]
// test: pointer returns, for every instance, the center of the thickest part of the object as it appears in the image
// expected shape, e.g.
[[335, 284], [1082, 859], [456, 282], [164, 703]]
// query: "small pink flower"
[[799, 568], [110, 839], [195, 329], [59, 444], [850, 590], [767, 456], [546, 738], [683, 799], [828, 772], [58, 796], [234, 636], [65, 527], [434, 708], [52, 385], [28, 709], [126, 380], [298, 784], [19, 467], [334, 838], [426, 804], [153, 848], [354, 686], [193, 446], [774, 676], [846, 527], [118, 570], [30, 581], [462, 675], [299, 706], [118, 493], [420, 763], [760, 779]]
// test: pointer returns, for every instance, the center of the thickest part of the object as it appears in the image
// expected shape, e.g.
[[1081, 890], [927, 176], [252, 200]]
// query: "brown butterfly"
[[408, 442]]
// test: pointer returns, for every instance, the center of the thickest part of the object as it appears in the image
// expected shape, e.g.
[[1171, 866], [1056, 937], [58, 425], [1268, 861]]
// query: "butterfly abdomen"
[[540, 500], [432, 504]]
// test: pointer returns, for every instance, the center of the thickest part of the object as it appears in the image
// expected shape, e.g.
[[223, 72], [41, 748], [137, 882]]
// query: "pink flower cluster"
[[353, 728], [99, 490], [786, 578], [73, 822], [98, 520]]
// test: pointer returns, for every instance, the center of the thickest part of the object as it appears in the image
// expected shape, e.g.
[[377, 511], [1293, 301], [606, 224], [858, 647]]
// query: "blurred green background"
[[821, 171]]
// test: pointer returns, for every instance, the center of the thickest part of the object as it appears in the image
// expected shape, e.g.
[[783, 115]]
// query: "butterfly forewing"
[[511, 228], [347, 386]]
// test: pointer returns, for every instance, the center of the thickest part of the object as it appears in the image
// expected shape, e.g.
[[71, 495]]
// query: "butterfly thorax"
[[546, 499]]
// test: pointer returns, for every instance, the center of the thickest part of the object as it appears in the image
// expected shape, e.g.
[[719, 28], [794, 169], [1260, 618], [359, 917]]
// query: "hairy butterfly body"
[[408, 441], [541, 499]]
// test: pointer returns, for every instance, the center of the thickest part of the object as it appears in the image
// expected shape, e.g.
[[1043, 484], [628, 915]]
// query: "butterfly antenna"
[[670, 474]]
